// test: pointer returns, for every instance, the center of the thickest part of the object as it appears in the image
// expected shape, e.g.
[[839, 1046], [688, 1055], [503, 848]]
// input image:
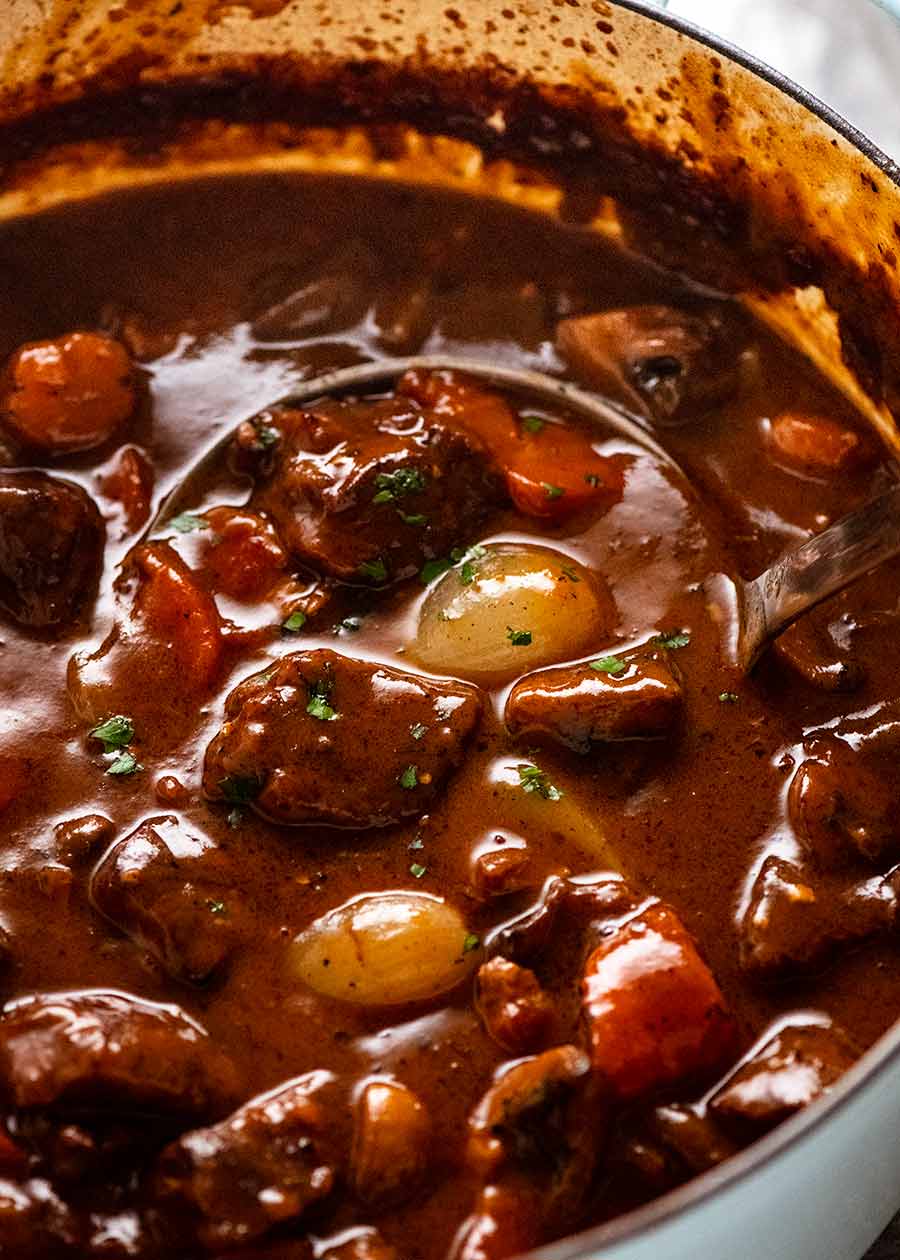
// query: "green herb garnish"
[[417, 870], [235, 816], [673, 639], [416, 843], [418, 730], [125, 763], [728, 697], [552, 492], [295, 622], [432, 569], [567, 574], [398, 484], [318, 706], [533, 779], [470, 942], [215, 907], [240, 789], [416, 518], [115, 732], [375, 569], [518, 638], [533, 424], [592, 479], [609, 665], [409, 778], [266, 436], [187, 522]]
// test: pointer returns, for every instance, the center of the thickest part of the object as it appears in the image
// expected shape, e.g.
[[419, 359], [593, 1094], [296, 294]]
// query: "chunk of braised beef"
[[51, 545], [536, 1134], [502, 870], [577, 706], [668, 364], [515, 1010], [367, 491], [35, 1223], [174, 894], [323, 738], [110, 1050], [262, 1166], [841, 811], [593, 904], [653, 1011], [795, 919], [391, 1144], [799, 1064], [810, 649]]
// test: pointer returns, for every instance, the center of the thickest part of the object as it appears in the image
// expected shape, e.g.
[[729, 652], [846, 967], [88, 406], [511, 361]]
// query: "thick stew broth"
[[624, 869]]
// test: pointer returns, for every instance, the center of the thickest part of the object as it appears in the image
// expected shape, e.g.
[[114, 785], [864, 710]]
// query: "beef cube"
[[367, 491], [514, 1008], [51, 546], [323, 738], [798, 1065], [669, 365], [577, 705], [261, 1166], [173, 893], [110, 1050]]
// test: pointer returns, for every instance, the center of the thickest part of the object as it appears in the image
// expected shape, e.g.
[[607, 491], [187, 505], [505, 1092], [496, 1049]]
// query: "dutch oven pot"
[[608, 114]]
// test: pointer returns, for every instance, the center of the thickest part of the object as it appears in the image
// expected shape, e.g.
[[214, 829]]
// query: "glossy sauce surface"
[[229, 293]]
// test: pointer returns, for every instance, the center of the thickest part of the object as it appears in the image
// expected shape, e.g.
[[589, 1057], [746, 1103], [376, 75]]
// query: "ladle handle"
[[810, 573]]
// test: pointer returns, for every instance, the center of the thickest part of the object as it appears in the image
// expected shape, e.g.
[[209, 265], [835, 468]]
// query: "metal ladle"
[[762, 607]]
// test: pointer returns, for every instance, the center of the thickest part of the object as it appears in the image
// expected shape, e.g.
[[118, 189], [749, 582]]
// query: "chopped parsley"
[[534, 779], [518, 638], [470, 942], [417, 870], [187, 522], [125, 763], [418, 730], [295, 622], [398, 484], [673, 639], [415, 518], [533, 424], [464, 557], [592, 479], [567, 574], [266, 436], [240, 789], [432, 569], [318, 706], [552, 492], [416, 843], [375, 569], [409, 778], [609, 665], [728, 697], [115, 732], [350, 624], [235, 816], [215, 907]]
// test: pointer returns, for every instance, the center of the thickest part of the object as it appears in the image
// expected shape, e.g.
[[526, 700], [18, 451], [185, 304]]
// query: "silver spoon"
[[759, 608]]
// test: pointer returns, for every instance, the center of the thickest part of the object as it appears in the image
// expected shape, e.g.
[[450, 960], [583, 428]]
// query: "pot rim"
[[643, 1222]]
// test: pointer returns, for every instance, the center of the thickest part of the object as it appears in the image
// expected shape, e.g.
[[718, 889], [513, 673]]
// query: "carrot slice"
[[653, 1009], [178, 614], [241, 555], [550, 473]]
